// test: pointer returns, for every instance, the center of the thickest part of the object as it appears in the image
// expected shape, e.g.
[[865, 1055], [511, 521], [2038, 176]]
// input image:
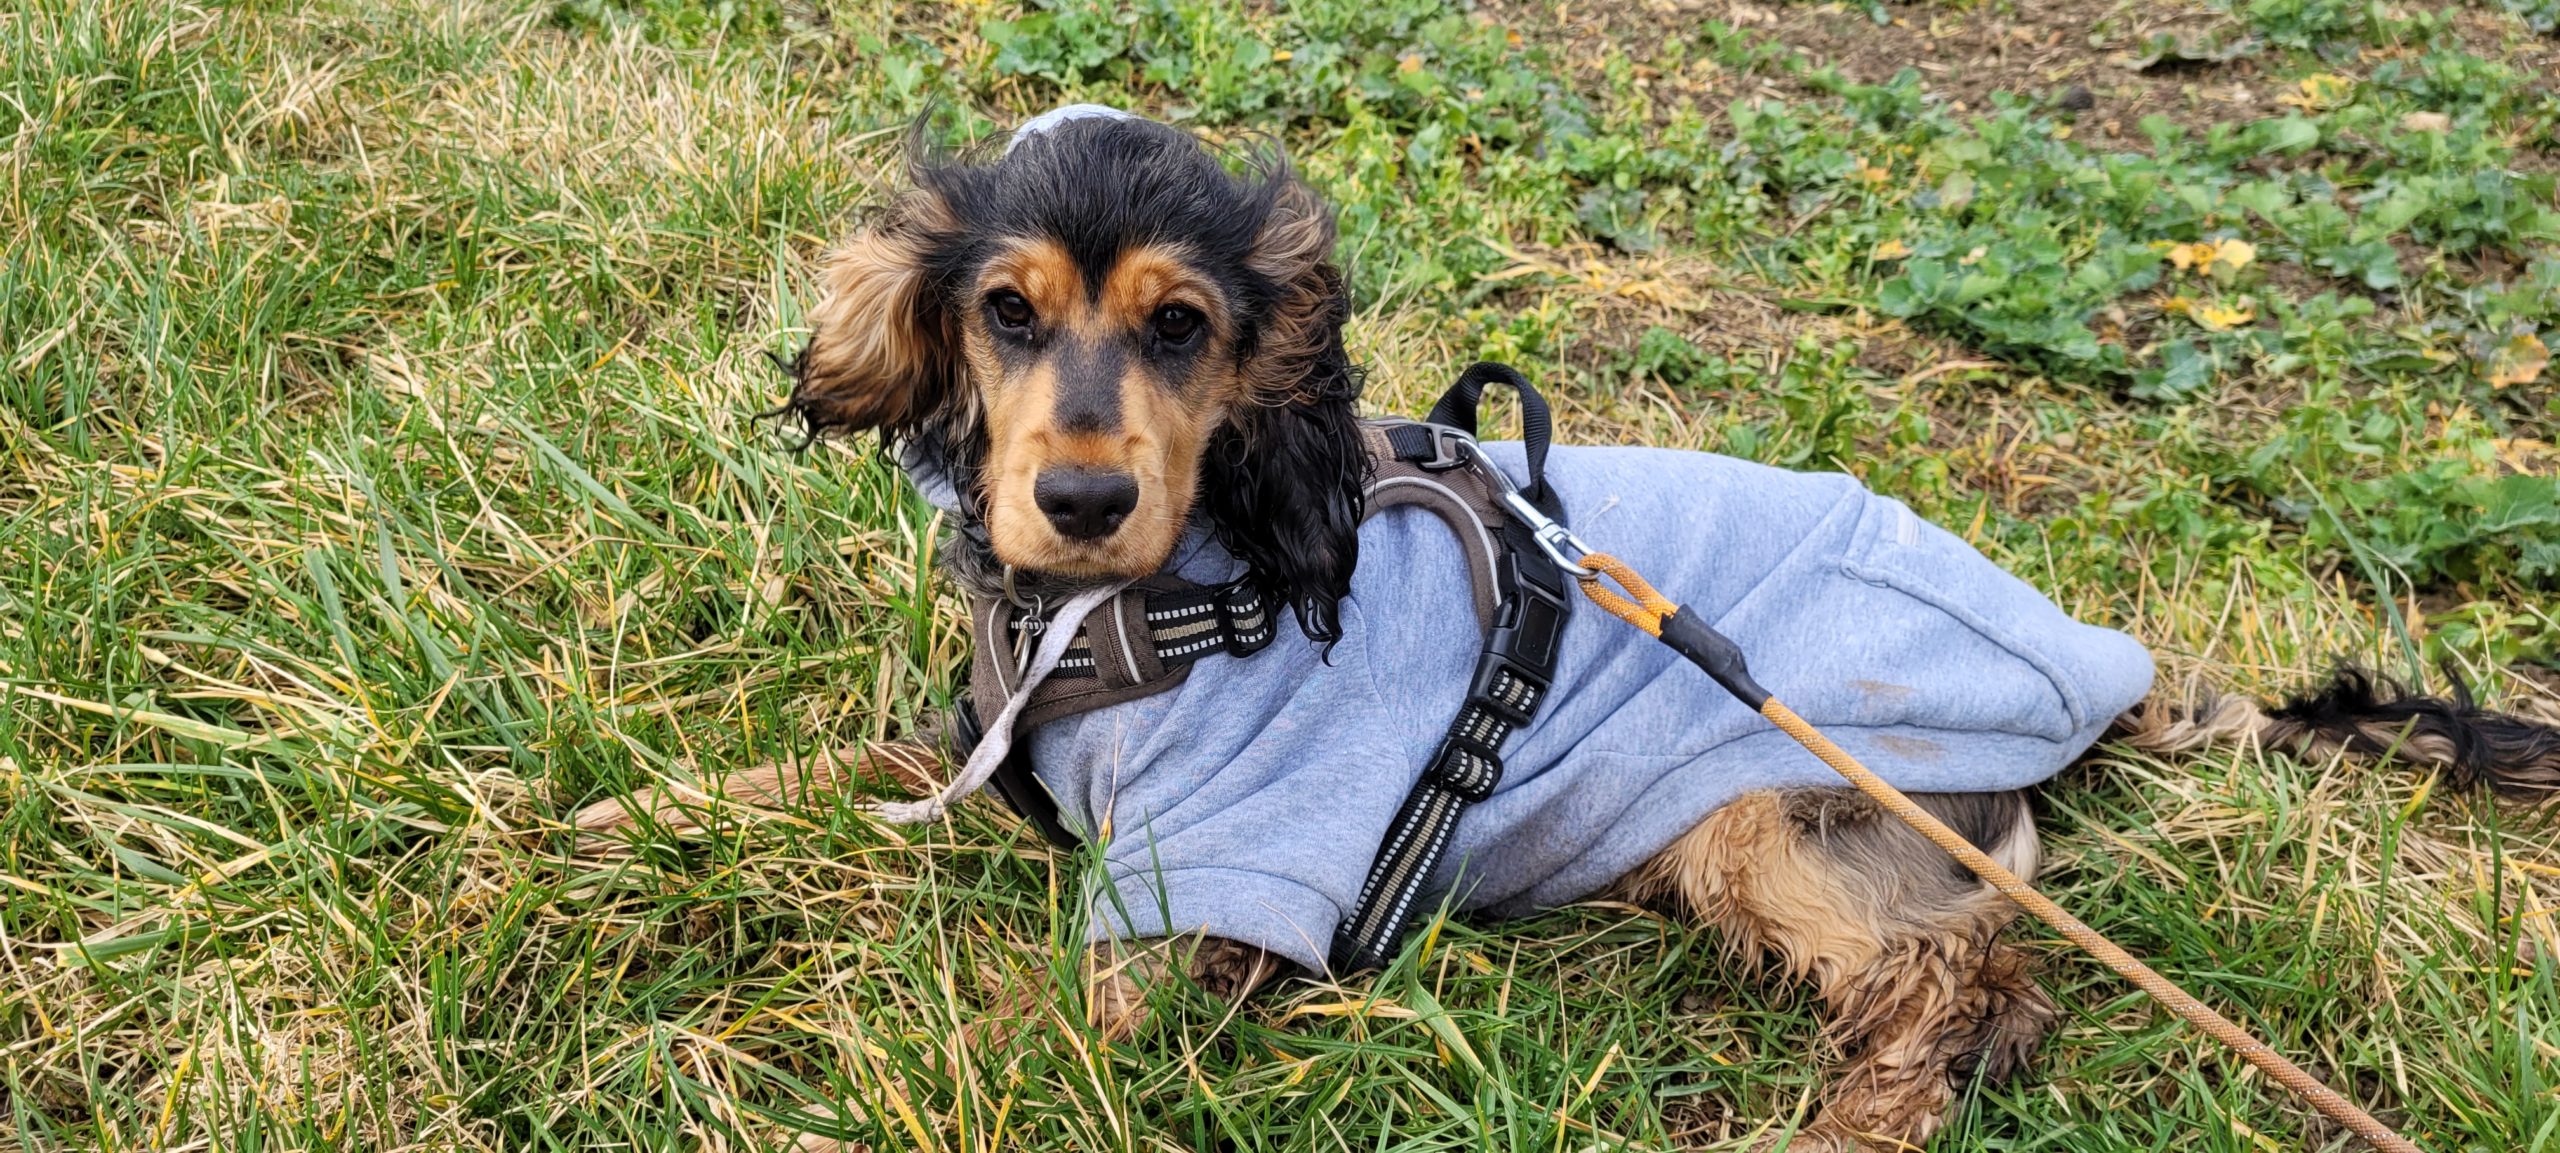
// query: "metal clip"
[[1553, 539], [1450, 448], [1026, 634], [1026, 640]]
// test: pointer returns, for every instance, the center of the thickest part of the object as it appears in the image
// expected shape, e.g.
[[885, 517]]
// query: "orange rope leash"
[[1648, 609], [1645, 611]]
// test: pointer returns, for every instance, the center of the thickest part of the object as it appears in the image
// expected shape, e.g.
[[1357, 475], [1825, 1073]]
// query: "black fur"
[[1283, 487], [2374, 717], [1281, 484]]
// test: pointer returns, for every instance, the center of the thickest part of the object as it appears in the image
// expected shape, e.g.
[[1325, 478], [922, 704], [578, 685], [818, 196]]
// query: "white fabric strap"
[[998, 739], [1057, 116]]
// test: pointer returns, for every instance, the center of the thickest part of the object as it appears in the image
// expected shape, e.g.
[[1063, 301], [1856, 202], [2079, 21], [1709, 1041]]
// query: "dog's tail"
[[798, 788], [2362, 715]]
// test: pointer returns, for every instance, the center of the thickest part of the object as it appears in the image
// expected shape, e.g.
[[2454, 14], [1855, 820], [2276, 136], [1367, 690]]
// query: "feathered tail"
[[2516, 757]]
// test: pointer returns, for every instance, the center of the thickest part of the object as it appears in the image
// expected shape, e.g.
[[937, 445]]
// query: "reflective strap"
[[1179, 625], [1413, 847], [1523, 641], [1511, 680]]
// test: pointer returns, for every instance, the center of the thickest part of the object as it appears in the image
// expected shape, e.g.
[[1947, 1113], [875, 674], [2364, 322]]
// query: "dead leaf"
[[2425, 122], [2221, 318], [2192, 256], [2519, 358], [2226, 255], [1378, 1007], [2321, 91], [2233, 254]]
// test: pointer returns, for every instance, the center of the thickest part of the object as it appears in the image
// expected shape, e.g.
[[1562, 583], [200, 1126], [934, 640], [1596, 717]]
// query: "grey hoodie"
[[1249, 801]]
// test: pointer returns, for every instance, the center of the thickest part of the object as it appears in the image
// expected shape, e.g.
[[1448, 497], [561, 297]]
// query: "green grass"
[[382, 482]]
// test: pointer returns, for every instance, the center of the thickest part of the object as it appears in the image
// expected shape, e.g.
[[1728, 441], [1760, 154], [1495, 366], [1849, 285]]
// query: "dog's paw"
[[1231, 970], [1121, 975], [1116, 998]]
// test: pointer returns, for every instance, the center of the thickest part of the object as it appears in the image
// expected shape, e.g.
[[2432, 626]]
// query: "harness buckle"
[[1450, 448], [1506, 691]]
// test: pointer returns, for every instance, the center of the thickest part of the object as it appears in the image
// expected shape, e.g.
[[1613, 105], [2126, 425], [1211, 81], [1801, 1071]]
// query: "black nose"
[[1085, 503]]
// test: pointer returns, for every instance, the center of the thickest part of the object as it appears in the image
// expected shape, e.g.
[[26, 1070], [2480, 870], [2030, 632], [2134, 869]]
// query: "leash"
[[995, 740], [1679, 627]]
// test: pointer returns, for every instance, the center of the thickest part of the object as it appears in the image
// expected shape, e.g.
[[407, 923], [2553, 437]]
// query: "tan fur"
[[1921, 991], [879, 351], [798, 787], [1149, 277], [1120, 975], [1295, 249], [2226, 721], [1161, 428], [2159, 727]]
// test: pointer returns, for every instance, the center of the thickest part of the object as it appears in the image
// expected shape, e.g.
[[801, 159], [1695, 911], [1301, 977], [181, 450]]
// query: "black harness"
[[1145, 640]]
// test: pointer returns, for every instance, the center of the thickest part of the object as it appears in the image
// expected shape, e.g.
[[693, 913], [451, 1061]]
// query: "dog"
[[1111, 355]]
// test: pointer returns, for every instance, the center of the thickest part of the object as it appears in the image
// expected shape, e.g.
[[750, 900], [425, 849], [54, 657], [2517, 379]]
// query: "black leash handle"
[[1457, 409]]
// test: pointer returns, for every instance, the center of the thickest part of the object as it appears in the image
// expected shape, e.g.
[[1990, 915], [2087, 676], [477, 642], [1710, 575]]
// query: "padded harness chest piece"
[[1145, 640]]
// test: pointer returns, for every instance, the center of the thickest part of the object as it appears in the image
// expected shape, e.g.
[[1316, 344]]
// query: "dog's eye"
[[1011, 311], [1176, 324]]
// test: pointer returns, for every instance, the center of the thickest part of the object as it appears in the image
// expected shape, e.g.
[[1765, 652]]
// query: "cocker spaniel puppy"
[[1113, 356]]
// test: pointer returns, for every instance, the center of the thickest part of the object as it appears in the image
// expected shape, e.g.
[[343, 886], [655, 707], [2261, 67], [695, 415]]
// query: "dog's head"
[[1101, 333]]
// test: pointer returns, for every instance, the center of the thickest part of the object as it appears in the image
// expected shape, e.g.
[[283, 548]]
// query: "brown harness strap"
[[1459, 496]]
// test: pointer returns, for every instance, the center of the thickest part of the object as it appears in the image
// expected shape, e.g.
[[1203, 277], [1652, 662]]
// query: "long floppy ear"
[[1283, 479], [881, 351]]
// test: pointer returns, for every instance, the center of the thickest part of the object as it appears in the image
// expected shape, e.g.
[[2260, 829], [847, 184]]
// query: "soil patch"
[[2078, 56]]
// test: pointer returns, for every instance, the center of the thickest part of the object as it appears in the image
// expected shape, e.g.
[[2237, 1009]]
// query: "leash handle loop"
[[1457, 409], [1681, 628]]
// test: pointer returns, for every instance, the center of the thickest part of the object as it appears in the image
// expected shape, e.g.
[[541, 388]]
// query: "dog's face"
[[1101, 381], [1104, 330]]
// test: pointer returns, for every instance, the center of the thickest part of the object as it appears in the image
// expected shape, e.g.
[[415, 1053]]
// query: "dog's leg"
[[1119, 975], [804, 786], [1902, 944]]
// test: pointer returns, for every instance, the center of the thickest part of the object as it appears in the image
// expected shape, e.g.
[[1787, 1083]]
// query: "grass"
[[382, 482]]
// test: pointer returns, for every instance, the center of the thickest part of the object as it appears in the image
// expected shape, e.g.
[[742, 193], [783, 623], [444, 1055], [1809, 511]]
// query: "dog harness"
[[1144, 640]]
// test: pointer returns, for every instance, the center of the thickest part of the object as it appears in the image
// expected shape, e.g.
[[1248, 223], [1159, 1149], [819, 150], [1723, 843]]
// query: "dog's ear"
[[1283, 479], [881, 351], [1300, 342]]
